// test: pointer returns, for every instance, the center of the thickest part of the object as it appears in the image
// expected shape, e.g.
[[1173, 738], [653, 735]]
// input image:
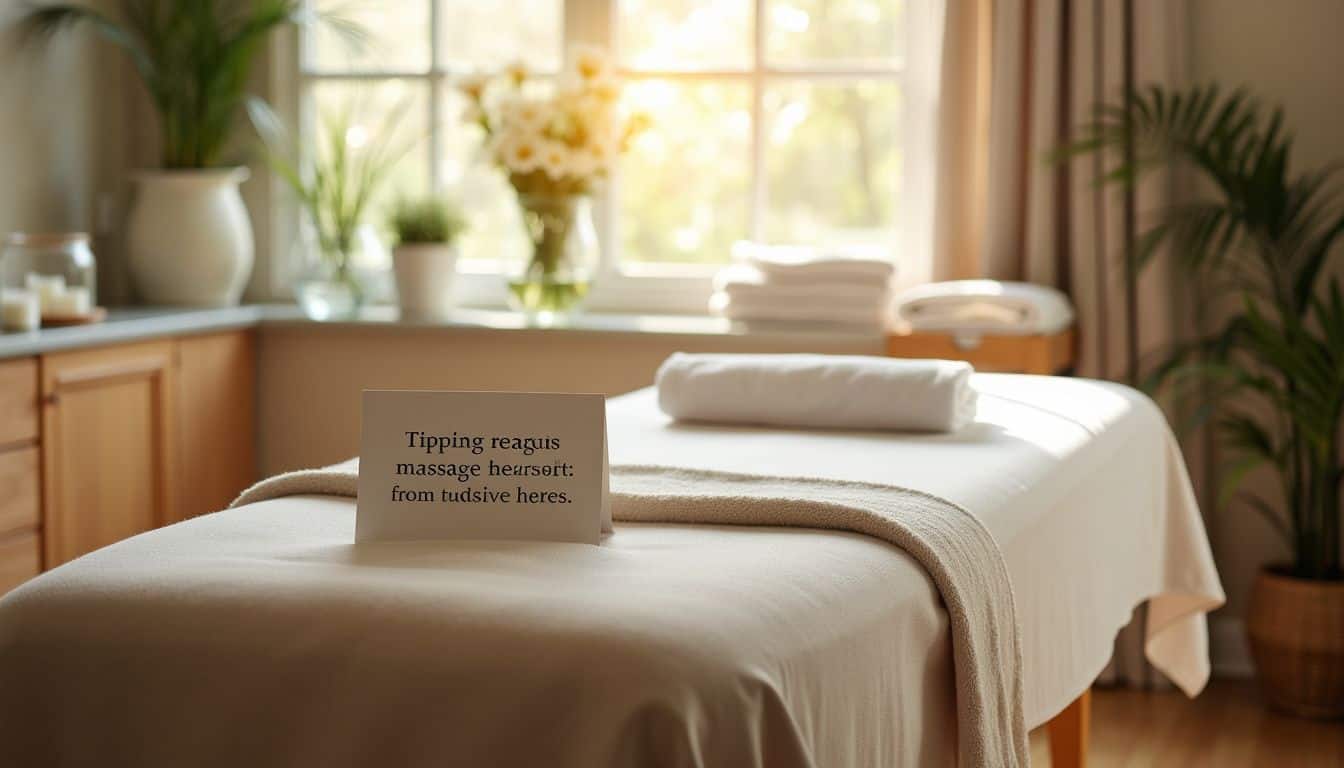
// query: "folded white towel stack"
[[830, 391], [805, 284]]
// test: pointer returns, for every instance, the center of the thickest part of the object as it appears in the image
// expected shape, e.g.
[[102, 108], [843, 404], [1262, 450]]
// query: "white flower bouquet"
[[561, 142], [555, 143]]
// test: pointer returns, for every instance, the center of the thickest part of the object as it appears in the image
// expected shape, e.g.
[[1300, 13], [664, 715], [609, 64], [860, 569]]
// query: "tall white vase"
[[190, 238]]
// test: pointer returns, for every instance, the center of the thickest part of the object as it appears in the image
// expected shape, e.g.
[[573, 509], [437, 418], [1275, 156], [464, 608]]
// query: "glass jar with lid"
[[58, 266]]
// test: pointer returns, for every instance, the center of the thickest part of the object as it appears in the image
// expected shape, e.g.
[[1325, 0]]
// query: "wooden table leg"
[[1068, 733]]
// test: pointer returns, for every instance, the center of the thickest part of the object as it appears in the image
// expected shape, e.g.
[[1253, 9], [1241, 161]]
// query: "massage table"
[[261, 635]]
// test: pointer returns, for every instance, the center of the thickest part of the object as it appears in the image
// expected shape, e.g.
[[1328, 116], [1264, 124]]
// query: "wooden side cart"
[[1044, 354]]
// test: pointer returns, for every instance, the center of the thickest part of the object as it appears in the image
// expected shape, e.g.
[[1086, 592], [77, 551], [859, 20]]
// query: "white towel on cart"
[[808, 264]]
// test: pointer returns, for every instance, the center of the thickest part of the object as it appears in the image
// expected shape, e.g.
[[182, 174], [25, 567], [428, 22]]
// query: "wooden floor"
[[1225, 727]]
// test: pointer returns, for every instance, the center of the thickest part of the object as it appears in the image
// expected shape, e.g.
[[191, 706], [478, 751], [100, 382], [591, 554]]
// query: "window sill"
[[125, 325], [467, 319]]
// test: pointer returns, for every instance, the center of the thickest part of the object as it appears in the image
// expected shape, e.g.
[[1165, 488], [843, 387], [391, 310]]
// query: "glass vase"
[[328, 290], [562, 259], [334, 285]]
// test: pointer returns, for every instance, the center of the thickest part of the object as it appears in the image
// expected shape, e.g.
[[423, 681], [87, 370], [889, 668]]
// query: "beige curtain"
[[1020, 77]]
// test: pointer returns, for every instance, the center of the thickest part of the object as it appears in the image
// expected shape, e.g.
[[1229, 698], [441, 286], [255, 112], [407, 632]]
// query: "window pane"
[[802, 31], [685, 34], [495, 230], [685, 184], [482, 35], [390, 110], [832, 161], [398, 32]]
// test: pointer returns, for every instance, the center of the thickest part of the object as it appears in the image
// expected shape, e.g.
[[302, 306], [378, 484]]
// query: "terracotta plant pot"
[[1296, 628]]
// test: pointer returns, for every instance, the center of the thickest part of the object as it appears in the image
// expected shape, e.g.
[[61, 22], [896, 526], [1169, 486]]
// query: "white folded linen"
[[829, 311], [741, 282], [985, 306], [828, 391], [799, 263]]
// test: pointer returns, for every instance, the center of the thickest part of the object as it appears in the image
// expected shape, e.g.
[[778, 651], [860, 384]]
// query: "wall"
[[74, 125], [310, 377], [61, 117], [1292, 53]]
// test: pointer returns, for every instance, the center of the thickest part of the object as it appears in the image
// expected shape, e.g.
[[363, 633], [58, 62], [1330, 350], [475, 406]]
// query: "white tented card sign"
[[482, 465]]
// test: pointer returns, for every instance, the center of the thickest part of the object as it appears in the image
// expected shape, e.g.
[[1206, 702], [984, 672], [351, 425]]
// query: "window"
[[777, 120]]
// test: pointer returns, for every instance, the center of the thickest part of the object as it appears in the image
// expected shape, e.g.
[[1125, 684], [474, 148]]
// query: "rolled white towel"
[[800, 263], [829, 391]]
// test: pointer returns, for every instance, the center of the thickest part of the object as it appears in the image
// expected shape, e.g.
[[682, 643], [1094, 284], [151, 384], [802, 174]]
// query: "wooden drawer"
[[18, 400], [20, 559], [1041, 354], [19, 482]]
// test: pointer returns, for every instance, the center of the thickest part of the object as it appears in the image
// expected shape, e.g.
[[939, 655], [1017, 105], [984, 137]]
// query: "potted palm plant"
[[1261, 238], [424, 260], [189, 237]]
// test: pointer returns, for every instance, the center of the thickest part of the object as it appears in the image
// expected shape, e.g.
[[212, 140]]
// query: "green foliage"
[[194, 57], [1264, 235], [427, 220], [336, 182]]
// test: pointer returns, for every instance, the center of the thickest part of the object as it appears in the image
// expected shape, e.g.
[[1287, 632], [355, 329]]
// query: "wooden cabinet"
[[20, 559], [108, 427], [20, 500], [102, 443], [216, 384], [18, 402]]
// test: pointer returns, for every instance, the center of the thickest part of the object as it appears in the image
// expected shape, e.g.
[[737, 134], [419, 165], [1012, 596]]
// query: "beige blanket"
[[951, 545]]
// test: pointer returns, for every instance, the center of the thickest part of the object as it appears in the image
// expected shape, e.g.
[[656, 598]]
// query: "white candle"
[[20, 310], [68, 302], [47, 287]]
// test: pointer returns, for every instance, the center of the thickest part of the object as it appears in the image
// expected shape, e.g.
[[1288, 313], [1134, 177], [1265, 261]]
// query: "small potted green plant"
[[424, 260]]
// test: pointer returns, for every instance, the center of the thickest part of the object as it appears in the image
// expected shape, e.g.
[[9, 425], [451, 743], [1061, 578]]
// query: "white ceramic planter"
[[425, 275], [189, 237]]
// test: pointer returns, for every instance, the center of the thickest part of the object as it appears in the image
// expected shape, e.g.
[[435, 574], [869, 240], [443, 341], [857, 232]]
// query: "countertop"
[[131, 324]]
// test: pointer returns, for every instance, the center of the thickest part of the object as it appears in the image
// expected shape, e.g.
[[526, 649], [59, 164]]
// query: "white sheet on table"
[[1080, 482]]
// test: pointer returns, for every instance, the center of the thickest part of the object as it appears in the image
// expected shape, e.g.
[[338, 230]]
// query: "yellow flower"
[[607, 91], [517, 72], [524, 114], [521, 155], [555, 164], [590, 64], [474, 87]]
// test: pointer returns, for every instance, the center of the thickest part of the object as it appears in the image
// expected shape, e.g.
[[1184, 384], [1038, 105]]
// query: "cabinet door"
[[18, 402], [216, 385], [107, 446], [19, 559]]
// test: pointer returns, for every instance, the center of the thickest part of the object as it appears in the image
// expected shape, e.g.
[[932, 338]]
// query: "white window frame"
[[621, 287]]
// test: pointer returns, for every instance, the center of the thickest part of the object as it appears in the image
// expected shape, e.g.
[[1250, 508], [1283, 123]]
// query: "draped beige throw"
[[1019, 78]]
